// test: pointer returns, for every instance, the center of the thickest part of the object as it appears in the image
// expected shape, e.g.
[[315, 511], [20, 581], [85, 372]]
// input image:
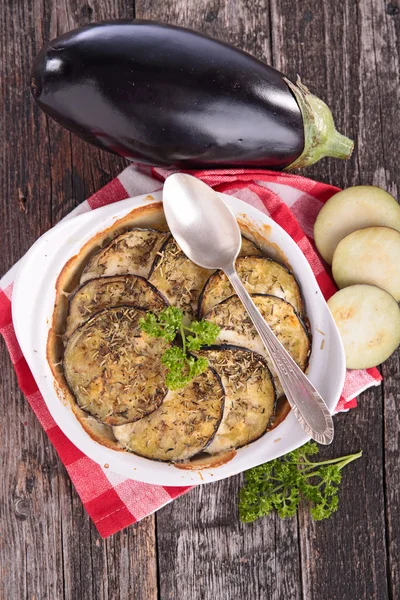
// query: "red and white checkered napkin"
[[113, 501]]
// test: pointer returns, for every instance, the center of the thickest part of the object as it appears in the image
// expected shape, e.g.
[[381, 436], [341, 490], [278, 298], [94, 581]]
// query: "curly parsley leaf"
[[182, 367], [174, 358], [166, 324], [283, 483], [171, 317], [197, 366], [204, 333]]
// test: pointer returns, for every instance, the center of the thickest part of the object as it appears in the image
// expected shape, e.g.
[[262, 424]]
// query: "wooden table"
[[196, 548]]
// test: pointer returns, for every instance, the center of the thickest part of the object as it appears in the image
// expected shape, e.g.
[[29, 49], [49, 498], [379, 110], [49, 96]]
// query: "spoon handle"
[[305, 401]]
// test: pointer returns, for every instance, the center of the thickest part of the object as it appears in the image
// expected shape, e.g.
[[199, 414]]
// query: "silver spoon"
[[208, 233]]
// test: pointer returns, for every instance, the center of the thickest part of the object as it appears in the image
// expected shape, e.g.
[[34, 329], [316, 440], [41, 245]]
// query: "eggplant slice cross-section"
[[249, 248], [237, 328], [180, 280], [184, 424], [114, 369], [249, 396], [259, 275], [106, 292], [130, 253]]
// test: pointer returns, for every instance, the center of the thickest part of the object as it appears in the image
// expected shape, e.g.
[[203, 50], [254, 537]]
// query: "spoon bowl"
[[202, 224]]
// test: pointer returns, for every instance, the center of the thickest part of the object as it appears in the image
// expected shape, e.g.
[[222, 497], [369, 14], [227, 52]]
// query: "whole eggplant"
[[169, 96]]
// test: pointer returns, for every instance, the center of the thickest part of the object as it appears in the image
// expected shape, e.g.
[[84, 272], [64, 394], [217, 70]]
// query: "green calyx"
[[320, 135]]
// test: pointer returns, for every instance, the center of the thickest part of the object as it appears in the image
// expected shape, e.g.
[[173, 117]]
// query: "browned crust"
[[302, 322], [261, 240], [271, 422], [97, 431], [269, 249], [210, 461], [219, 381]]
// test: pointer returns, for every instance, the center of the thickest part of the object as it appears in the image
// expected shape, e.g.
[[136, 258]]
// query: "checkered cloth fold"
[[113, 501]]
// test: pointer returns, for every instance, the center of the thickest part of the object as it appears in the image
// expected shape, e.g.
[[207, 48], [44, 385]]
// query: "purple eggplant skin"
[[168, 96]]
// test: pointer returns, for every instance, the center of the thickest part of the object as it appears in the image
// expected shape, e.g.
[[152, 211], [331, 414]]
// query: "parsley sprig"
[[182, 367], [283, 483]]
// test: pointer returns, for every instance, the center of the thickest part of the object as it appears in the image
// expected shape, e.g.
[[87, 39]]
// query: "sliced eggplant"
[[260, 276], [249, 396], [178, 278], [106, 292], [184, 424], [352, 209], [370, 256], [113, 368], [368, 320], [237, 328], [249, 248], [131, 253]]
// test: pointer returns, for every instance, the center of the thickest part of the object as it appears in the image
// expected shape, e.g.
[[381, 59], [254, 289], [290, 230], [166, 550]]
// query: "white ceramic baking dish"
[[33, 305]]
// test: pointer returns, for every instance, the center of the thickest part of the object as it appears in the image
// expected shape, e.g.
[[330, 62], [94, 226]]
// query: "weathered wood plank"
[[26, 491], [391, 437], [49, 549], [245, 24], [319, 42], [347, 53], [206, 553], [380, 35], [344, 557]]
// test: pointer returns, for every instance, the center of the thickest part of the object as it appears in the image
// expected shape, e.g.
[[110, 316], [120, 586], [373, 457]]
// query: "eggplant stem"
[[321, 137]]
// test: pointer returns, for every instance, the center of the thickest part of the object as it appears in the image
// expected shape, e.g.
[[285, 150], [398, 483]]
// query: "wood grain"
[[49, 549], [348, 54], [345, 556], [391, 468], [205, 552]]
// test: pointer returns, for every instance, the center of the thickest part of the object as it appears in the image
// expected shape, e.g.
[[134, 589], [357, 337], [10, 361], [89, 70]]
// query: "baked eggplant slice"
[[106, 292], [259, 275], [249, 248], [249, 396], [178, 278], [183, 426], [113, 368], [131, 253], [237, 328]]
